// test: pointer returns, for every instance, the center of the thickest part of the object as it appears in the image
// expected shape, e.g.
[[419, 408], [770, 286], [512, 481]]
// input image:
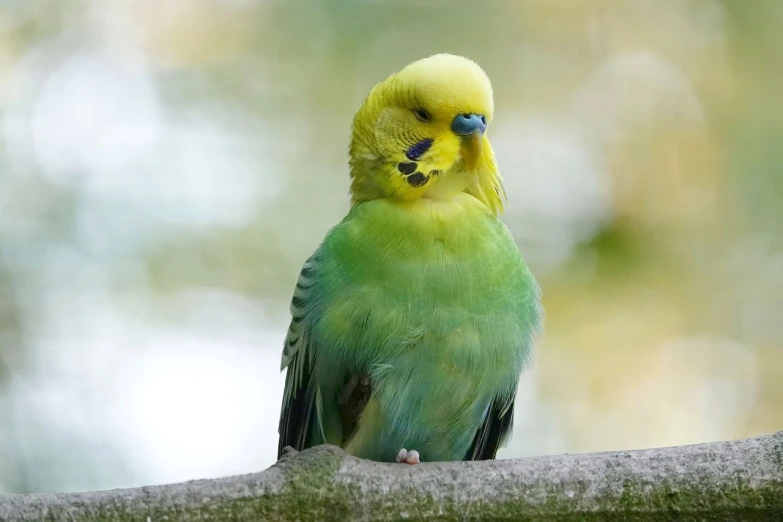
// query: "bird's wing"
[[298, 415], [494, 431]]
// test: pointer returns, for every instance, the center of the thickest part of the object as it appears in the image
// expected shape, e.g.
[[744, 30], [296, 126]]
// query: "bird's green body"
[[433, 301], [416, 315]]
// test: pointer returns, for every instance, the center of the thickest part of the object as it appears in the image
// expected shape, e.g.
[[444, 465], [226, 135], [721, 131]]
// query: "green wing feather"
[[494, 431], [299, 412]]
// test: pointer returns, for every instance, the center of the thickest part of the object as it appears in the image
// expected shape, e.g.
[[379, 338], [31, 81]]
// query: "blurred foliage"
[[165, 168]]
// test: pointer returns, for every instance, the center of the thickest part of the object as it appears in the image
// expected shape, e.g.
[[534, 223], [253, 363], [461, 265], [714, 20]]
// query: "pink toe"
[[402, 455], [413, 457]]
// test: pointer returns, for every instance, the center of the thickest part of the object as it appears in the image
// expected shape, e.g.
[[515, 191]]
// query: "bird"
[[414, 319]]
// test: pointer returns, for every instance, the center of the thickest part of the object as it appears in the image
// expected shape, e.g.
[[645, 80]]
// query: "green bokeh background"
[[166, 167]]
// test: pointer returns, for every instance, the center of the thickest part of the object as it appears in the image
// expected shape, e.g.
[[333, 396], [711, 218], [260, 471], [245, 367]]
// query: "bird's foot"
[[410, 457], [289, 450], [287, 453], [356, 387]]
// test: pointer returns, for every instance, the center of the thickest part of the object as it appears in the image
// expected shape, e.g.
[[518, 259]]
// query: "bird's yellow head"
[[421, 133]]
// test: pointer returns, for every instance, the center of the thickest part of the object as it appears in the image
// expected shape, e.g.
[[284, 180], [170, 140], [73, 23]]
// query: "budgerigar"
[[414, 318]]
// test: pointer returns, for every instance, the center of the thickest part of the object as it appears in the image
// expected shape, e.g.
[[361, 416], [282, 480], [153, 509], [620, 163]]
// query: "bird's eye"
[[422, 115]]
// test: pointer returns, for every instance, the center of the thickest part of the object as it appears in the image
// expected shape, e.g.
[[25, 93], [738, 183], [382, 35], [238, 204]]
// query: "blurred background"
[[166, 167]]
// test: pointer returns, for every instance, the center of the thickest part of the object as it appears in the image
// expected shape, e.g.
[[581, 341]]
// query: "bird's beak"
[[470, 150], [470, 128]]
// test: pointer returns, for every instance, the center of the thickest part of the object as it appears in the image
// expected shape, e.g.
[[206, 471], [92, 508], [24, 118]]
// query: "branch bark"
[[739, 480]]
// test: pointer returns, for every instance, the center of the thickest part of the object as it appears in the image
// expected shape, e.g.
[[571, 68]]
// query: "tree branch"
[[741, 480]]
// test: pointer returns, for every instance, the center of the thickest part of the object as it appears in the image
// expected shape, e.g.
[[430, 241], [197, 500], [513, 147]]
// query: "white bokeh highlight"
[[561, 191]]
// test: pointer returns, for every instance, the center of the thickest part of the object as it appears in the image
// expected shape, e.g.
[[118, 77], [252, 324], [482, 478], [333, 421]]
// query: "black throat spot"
[[417, 179], [407, 168]]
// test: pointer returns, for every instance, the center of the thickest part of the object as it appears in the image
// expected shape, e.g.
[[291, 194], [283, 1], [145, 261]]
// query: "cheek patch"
[[416, 150]]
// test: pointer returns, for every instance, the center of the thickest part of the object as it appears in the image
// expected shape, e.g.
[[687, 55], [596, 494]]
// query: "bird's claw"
[[287, 452], [409, 457]]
